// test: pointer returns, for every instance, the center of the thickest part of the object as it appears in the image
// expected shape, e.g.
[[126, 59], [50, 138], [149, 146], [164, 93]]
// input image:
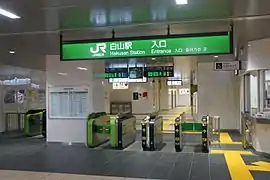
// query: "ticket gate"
[[202, 127], [152, 135], [123, 131], [120, 131], [98, 129], [35, 122]]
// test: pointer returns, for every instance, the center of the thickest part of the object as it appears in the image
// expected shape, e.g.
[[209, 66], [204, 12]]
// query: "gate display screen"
[[116, 73], [153, 46], [159, 71], [135, 73]]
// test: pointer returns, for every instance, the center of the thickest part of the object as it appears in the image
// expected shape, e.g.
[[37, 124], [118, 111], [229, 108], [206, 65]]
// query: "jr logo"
[[100, 48]]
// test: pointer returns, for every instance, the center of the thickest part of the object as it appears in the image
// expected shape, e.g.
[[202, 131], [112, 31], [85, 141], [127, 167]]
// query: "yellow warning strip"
[[260, 166], [217, 151], [168, 123], [237, 167], [225, 138], [191, 132]]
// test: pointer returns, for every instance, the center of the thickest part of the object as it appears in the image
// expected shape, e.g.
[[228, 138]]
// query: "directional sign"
[[226, 65], [153, 46]]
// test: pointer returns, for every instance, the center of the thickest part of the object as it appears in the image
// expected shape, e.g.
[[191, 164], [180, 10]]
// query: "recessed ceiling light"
[[215, 56], [249, 45], [8, 14], [62, 74], [82, 68], [181, 2], [11, 52], [153, 58]]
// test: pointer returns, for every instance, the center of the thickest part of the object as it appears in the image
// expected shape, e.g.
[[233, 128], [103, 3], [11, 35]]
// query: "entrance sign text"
[[148, 47]]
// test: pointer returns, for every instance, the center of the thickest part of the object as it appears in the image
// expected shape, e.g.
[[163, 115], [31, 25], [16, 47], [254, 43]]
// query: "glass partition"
[[266, 95], [254, 95]]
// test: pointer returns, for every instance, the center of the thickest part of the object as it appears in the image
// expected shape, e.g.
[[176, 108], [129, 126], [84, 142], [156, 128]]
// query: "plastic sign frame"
[[149, 46]]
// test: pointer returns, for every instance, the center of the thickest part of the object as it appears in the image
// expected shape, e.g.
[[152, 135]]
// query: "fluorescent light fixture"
[[181, 2], [82, 68], [62, 74], [11, 52], [215, 56], [9, 14], [153, 58]]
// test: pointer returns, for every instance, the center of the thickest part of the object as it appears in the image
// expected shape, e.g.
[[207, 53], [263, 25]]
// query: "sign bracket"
[[113, 34], [169, 30]]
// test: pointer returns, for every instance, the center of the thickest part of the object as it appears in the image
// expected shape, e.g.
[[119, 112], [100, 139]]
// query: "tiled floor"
[[127, 164], [27, 175], [33, 159]]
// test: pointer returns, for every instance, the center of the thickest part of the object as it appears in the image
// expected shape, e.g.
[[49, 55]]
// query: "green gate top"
[[175, 45]]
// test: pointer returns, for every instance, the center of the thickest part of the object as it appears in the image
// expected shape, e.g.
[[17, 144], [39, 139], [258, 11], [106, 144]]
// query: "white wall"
[[73, 130], [258, 55], [183, 99], [218, 95], [143, 105]]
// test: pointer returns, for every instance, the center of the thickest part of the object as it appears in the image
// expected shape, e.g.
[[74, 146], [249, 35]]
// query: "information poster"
[[68, 102]]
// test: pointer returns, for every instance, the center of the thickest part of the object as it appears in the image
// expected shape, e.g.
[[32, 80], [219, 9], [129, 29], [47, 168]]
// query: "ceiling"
[[37, 32]]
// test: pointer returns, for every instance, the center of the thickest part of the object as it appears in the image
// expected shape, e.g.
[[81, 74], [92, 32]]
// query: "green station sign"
[[181, 45]]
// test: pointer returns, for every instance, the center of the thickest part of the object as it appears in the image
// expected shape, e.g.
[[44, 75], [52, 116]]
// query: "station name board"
[[176, 45]]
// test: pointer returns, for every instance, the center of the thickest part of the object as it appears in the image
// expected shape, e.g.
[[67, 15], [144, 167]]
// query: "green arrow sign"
[[194, 44]]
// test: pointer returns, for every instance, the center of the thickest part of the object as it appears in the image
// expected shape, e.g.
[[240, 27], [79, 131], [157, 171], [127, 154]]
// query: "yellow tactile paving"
[[259, 166], [168, 123], [215, 151], [191, 132], [237, 167], [225, 138]]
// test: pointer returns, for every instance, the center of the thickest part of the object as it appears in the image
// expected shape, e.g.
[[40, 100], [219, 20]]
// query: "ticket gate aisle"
[[119, 131], [202, 128], [152, 135], [35, 122]]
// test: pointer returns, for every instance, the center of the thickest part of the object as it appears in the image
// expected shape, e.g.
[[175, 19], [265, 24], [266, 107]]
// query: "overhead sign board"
[[116, 73], [159, 71], [127, 80], [174, 82], [153, 46], [226, 65]]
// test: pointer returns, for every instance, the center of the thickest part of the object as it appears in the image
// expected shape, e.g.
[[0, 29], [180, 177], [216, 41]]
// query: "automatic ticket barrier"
[[205, 134], [35, 122], [181, 127], [152, 136], [120, 131], [98, 129], [123, 130]]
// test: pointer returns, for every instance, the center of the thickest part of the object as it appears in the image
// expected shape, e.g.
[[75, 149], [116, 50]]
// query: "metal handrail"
[[214, 128]]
